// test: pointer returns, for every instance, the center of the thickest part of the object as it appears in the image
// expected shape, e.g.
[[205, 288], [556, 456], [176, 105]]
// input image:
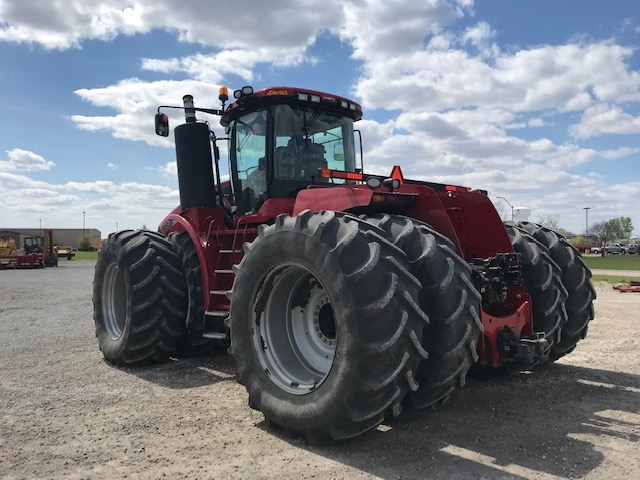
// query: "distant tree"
[[97, 243], [578, 240], [623, 227], [144, 226], [603, 232], [566, 233], [84, 244], [503, 211], [552, 222]]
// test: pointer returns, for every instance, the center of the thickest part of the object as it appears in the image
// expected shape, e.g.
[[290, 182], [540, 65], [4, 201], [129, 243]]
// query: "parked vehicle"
[[615, 249], [65, 251]]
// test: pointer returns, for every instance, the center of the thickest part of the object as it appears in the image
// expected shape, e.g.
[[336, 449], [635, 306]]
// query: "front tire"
[[138, 298], [325, 326]]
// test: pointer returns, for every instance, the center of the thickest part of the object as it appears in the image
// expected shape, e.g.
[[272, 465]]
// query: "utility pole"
[[83, 217], [586, 221]]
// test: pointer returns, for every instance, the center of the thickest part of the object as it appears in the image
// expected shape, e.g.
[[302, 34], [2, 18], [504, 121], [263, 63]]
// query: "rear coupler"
[[525, 351], [508, 337]]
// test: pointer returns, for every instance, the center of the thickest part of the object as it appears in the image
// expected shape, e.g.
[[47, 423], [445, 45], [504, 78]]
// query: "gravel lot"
[[65, 413]]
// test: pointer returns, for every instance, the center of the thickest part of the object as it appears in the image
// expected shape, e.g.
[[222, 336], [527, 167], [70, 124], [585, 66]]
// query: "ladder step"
[[229, 251], [217, 313], [223, 271], [219, 292], [215, 335]]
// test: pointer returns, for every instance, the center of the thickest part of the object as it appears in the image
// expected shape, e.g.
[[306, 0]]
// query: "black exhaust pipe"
[[195, 166]]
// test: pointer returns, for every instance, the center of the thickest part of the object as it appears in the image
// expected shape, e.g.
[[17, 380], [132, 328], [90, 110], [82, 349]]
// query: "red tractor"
[[345, 297]]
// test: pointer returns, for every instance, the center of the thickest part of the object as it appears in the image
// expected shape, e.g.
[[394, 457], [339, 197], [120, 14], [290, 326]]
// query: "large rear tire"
[[543, 282], [576, 278], [138, 298], [451, 302], [325, 326], [192, 342]]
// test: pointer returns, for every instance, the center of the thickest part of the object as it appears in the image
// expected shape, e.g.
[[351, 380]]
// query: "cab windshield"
[[306, 140], [281, 163]]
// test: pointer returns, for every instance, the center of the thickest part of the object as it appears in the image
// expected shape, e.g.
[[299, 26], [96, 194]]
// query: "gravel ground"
[[65, 413]]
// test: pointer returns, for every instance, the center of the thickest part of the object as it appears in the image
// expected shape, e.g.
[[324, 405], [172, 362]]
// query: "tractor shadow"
[[188, 372], [529, 425]]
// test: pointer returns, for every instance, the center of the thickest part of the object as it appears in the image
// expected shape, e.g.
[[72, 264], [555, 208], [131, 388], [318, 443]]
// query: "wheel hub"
[[296, 335], [114, 302]]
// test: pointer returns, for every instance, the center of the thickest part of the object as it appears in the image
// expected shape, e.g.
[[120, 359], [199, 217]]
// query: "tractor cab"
[[281, 137], [33, 245]]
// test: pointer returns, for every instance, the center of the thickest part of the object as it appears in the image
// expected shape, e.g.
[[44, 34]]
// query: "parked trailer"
[[21, 261], [36, 252]]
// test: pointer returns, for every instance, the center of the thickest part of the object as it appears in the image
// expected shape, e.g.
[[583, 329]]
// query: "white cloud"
[[53, 26], [561, 77], [168, 170], [605, 119], [213, 67], [112, 166], [379, 30], [478, 35], [91, 187], [25, 161], [618, 153], [134, 99], [537, 122], [104, 203]]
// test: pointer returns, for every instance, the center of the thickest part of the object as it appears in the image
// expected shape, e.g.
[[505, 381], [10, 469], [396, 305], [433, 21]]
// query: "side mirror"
[[162, 125]]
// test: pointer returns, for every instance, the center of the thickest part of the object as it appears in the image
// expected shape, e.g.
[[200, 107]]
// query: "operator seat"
[[286, 161], [312, 159]]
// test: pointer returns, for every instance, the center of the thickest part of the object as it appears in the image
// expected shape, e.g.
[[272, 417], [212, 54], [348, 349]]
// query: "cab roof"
[[291, 96]]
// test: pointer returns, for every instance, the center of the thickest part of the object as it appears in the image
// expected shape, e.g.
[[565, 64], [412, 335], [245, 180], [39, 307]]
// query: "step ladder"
[[214, 320]]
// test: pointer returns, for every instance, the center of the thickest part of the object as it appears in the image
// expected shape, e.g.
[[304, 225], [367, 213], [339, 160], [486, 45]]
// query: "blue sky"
[[534, 101]]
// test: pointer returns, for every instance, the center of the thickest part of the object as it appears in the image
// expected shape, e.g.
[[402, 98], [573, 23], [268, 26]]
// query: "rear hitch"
[[524, 351]]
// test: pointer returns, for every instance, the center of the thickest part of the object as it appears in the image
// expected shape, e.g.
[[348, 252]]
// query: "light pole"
[[40, 234], [509, 205], [83, 217], [586, 220], [116, 226]]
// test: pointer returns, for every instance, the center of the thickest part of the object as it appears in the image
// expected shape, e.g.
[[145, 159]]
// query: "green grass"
[[613, 262], [86, 256]]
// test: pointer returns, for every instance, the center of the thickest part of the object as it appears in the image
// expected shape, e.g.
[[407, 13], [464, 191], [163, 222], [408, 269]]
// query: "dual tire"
[[559, 283], [138, 298], [149, 298], [397, 348]]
